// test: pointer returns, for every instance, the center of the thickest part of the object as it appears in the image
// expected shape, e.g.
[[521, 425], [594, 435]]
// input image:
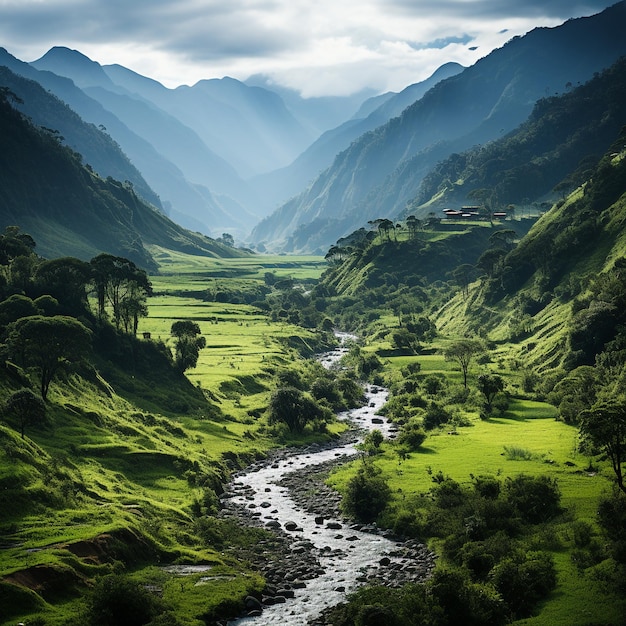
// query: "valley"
[[138, 462], [183, 442]]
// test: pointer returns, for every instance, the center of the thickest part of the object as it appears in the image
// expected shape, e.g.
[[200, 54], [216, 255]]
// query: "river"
[[346, 555]]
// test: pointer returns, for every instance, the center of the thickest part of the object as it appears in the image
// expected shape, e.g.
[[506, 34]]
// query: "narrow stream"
[[345, 553]]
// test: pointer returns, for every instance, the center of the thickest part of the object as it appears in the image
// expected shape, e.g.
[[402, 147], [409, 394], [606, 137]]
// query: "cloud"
[[330, 46]]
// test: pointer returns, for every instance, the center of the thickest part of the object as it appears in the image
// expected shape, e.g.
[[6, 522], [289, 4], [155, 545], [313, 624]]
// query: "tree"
[[65, 279], [47, 344], [604, 424], [413, 225], [16, 306], [490, 385], [119, 283], [290, 406], [188, 343], [463, 276], [463, 351], [28, 408]]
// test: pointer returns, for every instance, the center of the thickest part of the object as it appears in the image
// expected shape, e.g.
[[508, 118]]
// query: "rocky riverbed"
[[315, 557]]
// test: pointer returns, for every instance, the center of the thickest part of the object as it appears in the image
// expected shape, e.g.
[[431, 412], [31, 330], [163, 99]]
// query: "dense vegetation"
[[129, 398], [556, 147]]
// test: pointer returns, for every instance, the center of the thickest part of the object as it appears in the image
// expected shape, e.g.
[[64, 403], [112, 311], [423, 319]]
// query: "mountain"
[[96, 147], [380, 172], [160, 145], [280, 185], [193, 208], [69, 210], [216, 133], [249, 127], [561, 140]]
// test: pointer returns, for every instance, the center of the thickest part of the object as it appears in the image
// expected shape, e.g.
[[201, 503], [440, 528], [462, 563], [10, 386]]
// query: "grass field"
[[527, 439]]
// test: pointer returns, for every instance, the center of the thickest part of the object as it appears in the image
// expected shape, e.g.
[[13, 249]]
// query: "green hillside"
[[546, 157], [46, 190]]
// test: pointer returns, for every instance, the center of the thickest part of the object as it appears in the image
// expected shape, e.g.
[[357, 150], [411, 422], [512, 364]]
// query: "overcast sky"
[[318, 47]]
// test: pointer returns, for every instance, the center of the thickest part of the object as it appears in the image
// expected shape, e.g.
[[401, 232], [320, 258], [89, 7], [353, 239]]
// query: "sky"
[[317, 47]]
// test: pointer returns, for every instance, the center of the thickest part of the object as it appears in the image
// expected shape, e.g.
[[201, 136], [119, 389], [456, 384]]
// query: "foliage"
[[536, 499], [47, 344], [411, 435], [604, 424], [490, 385], [366, 495], [292, 407], [524, 580], [117, 600], [121, 284], [28, 408], [188, 344]]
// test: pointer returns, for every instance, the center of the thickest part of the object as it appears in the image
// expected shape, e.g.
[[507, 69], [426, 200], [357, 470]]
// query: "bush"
[[412, 436], [117, 600], [536, 499], [367, 494], [523, 583], [435, 416]]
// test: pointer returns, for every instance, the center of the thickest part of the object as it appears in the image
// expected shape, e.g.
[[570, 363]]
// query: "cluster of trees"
[[309, 397], [46, 320], [493, 576]]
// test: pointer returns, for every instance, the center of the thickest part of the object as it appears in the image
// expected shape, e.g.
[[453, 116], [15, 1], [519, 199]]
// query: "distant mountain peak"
[[74, 65]]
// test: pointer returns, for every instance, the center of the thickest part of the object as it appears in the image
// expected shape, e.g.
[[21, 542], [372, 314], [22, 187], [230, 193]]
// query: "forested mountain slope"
[[381, 171], [190, 205], [280, 185], [560, 293], [96, 147], [70, 211], [561, 140]]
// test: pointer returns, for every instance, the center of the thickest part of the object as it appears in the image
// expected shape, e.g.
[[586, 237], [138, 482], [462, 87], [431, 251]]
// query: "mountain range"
[[48, 192], [288, 174], [378, 174]]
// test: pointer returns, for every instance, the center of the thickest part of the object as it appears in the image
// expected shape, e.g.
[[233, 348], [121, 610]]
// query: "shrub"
[[117, 600], [523, 583], [367, 494], [537, 499], [435, 416], [487, 487], [412, 435]]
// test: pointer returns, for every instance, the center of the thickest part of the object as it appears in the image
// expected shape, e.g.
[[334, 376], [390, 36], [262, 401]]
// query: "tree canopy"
[[47, 344]]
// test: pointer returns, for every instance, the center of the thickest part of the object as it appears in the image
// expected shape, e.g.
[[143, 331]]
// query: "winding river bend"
[[344, 556]]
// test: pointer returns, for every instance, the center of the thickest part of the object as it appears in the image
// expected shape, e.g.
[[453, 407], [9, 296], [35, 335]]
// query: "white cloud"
[[330, 46]]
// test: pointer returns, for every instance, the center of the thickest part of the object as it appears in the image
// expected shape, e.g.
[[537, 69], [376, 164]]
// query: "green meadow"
[[527, 439], [133, 457]]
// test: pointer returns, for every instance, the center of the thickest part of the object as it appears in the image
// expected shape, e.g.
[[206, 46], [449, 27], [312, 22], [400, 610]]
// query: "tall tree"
[[47, 344], [463, 352], [604, 424], [188, 344], [120, 284]]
